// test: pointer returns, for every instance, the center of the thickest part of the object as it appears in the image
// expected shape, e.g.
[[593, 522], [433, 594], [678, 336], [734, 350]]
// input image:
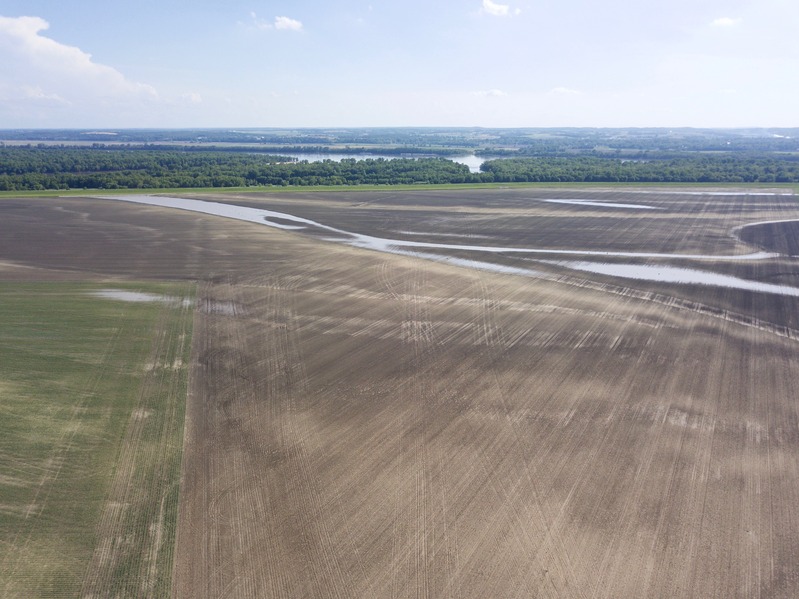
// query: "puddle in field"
[[138, 296], [604, 204], [672, 274], [130, 296]]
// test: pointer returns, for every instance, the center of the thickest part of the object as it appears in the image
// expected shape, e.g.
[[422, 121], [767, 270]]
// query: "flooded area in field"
[[766, 222], [603, 204], [474, 264], [673, 274], [253, 215], [714, 192], [279, 220], [130, 296], [122, 295], [645, 272], [458, 235], [389, 245]]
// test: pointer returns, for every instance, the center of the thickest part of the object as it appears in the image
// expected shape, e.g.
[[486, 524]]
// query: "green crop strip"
[[92, 399]]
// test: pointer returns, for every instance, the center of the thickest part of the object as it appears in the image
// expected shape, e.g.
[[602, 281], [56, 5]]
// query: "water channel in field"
[[600, 204], [659, 273], [673, 274]]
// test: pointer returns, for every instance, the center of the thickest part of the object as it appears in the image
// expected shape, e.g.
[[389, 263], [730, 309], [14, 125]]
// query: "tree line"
[[101, 168], [93, 168], [692, 168]]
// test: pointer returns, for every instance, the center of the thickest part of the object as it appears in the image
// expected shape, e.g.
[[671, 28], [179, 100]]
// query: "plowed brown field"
[[363, 424]]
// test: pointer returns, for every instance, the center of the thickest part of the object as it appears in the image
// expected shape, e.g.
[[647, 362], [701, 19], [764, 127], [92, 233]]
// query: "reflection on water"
[[673, 274], [470, 160], [473, 162]]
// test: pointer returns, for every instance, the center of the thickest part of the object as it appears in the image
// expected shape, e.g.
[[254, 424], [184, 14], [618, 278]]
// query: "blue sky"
[[345, 63]]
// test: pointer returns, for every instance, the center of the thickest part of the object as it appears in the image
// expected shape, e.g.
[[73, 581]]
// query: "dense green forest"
[[692, 168], [93, 168], [43, 168]]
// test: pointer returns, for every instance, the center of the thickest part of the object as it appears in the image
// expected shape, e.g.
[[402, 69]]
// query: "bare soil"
[[371, 425]]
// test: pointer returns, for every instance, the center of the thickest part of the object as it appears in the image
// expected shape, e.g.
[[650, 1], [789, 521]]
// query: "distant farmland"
[[598, 401]]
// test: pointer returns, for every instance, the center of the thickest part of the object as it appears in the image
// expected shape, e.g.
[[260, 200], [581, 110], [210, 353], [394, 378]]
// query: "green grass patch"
[[92, 398]]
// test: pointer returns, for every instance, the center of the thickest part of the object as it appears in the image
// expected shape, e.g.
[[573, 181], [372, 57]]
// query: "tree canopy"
[[43, 168]]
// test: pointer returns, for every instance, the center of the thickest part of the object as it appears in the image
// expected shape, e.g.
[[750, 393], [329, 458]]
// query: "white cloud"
[[37, 94], [726, 22], [498, 10], [37, 71], [283, 23], [46, 83], [287, 23], [565, 91], [490, 93]]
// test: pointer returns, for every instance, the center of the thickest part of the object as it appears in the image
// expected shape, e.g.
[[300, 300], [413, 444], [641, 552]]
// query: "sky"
[[372, 63]]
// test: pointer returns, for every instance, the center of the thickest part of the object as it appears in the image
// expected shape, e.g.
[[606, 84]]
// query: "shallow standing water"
[[136, 296], [673, 274], [658, 273]]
